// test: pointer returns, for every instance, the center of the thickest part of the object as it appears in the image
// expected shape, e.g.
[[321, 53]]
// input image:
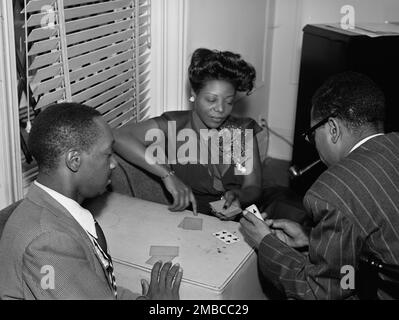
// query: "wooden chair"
[[5, 214], [136, 182], [372, 275]]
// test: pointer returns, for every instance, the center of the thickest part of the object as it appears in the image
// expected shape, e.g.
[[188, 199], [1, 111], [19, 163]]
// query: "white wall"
[[290, 17], [239, 26], [167, 55]]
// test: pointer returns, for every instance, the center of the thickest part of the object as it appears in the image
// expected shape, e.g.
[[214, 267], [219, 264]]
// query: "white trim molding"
[[11, 188], [168, 54]]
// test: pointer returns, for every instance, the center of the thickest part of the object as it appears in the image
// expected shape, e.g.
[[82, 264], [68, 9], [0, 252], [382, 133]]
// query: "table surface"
[[132, 226]]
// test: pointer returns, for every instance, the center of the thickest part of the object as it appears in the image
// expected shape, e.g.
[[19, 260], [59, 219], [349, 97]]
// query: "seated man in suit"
[[51, 247], [354, 204]]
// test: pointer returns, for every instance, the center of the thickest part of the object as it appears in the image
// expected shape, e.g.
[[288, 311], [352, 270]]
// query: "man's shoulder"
[[37, 235], [358, 161], [393, 137], [22, 228], [387, 145], [26, 215], [360, 170], [380, 151], [28, 221], [330, 184]]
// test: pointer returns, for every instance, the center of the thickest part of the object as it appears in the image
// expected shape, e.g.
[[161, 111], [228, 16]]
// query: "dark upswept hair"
[[59, 128], [353, 97], [220, 65]]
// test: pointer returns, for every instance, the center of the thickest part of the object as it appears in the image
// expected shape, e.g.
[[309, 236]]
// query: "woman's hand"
[[182, 194], [232, 197]]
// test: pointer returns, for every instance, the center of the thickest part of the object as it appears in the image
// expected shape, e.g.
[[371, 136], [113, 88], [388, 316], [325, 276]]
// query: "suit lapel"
[[42, 198]]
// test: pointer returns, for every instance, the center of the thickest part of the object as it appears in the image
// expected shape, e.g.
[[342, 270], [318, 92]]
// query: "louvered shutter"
[[94, 52]]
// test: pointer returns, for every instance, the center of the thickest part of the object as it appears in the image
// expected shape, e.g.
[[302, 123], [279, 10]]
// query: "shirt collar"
[[81, 215], [357, 145]]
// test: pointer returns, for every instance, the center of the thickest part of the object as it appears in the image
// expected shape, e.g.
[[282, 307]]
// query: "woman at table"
[[215, 78]]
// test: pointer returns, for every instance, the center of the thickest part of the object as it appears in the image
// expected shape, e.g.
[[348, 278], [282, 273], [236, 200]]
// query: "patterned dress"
[[207, 179]]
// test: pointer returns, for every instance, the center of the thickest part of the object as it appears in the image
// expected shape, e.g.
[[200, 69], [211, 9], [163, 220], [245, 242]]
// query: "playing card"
[[226, 236], [155, 259], [189, 223], [231, 211], [254, 209], [164, 251]]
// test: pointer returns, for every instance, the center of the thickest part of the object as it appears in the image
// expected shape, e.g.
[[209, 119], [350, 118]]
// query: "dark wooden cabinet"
[[327, 51]]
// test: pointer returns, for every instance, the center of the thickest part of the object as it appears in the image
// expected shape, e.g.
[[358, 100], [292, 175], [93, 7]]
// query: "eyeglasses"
[[309, 134]]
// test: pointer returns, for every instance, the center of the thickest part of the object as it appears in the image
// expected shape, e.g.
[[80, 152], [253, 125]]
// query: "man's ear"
[[73, 160], [334, 130]]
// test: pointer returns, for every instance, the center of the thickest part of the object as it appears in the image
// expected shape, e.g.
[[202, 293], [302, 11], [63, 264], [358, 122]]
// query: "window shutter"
[[94, 52], [143, 54]]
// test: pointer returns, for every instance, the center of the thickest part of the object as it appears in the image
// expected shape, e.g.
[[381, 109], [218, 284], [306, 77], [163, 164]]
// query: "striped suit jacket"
[[355, 209], [46, 254]]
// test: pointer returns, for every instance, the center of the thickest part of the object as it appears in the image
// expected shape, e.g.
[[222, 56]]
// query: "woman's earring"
[[192, 99]]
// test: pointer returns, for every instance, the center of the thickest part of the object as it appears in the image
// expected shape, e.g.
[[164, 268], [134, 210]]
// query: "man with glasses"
[[354, 204]]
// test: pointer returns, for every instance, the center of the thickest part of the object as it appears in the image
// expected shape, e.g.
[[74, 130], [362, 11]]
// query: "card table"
[[211, 268]]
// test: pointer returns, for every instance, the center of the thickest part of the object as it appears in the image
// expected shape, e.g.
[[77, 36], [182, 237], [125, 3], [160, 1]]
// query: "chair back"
[[134, 181], [373, 275]]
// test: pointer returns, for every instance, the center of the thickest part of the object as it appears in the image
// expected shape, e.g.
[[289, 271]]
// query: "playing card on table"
[[162, 253], [155, 259], [189, 223], [231, 211], [254, 210], [226, 236]]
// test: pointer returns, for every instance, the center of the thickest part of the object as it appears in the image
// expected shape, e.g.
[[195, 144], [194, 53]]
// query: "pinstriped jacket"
[[41, 240], [355, 210]]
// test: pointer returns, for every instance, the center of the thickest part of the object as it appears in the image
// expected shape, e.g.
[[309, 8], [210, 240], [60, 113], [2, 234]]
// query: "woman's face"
[[214, 102]]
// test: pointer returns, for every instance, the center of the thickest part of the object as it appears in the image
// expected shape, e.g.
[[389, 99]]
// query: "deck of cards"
[[231, 211], [254, 210]]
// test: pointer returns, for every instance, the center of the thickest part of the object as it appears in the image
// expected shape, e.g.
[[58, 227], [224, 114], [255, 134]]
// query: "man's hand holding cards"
[[254, 210]]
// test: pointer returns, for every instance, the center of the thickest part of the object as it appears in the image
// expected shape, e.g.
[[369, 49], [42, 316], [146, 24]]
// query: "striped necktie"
[[102, 243]]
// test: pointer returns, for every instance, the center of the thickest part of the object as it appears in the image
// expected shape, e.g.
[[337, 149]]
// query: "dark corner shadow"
[[271, 290], [97, 204]]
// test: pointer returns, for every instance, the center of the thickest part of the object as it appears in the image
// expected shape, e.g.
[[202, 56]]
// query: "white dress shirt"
[[81, 215], [357, 145], [86, 221]]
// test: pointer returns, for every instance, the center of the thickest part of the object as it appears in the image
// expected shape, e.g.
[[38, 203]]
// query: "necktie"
[[103, 244], [101, 238]]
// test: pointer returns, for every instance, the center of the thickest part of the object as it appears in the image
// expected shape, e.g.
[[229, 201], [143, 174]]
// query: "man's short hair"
[[59, 128], [354, 97]]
